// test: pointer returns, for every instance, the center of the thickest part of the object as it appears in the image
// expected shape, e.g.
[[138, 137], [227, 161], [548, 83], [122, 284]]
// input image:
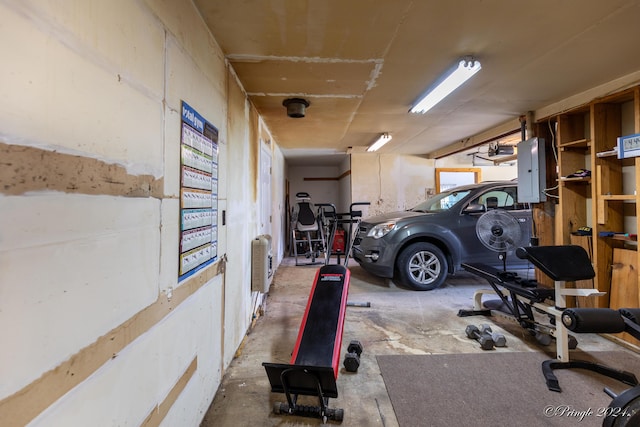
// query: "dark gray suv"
[[418, 248]]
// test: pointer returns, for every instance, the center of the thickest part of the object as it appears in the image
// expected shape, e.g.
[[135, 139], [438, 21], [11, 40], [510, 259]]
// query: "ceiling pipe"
[[296, 107]]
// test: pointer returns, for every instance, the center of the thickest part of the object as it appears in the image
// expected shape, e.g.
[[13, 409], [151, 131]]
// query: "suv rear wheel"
[[422, 266]]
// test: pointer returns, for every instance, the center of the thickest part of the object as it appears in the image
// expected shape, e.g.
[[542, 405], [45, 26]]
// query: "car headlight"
[[380, 230]]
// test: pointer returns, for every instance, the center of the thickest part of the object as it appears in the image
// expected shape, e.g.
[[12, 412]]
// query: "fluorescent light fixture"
[[384, 138], [466, 68]]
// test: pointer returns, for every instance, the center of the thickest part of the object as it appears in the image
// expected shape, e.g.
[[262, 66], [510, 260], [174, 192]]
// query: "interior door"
[[265, 190]]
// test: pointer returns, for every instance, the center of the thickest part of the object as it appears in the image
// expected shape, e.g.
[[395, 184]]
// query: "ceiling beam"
[[500, 131]]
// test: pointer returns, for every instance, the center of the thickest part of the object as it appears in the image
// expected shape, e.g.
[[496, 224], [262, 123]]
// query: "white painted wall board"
[[61, 97], [72, 267], [124, 391]]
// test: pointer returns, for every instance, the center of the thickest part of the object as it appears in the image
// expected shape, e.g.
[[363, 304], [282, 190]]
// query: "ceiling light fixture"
[[449, 82], [384, 138]]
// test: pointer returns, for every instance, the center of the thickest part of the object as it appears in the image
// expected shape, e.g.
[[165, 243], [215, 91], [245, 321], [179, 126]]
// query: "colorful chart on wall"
[[198, 193]]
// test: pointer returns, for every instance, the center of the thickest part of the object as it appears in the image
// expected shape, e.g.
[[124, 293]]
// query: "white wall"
[[95, 328], [390, 182], [324, 187]]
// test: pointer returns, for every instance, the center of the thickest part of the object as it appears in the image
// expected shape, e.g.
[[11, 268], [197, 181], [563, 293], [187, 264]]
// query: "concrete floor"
[[399, 321]]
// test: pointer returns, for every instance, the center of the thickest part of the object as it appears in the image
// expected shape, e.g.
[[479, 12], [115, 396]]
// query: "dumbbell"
[[486, 342], [352, 358], [499, 340]]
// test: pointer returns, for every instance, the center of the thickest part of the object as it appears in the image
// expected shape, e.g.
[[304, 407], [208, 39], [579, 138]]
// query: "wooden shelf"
[[622, 236], [610, 153], [585, 180], [625, 238], [579, 143], [618, 197]]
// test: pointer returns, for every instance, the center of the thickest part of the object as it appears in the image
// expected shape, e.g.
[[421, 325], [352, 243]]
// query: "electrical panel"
[[532, 171]]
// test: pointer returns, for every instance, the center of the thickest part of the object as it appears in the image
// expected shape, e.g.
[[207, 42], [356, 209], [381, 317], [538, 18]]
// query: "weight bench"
[[520, 299], [624, 409], [597, 321], [313, 369]]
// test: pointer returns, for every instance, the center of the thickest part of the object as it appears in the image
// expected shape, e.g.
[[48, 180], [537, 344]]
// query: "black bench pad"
[[566, 263], [314, 364]]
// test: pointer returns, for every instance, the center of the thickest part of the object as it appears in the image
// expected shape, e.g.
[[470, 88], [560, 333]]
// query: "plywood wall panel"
[[72, 268], [65, 96]]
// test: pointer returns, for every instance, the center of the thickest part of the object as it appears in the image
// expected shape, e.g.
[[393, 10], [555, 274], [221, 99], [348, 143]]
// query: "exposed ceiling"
[[362, 63]]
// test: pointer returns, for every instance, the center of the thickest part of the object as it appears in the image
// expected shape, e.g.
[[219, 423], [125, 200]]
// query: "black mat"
[[498, 389]]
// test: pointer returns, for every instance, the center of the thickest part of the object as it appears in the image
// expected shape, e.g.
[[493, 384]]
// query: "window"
[[500, 198]]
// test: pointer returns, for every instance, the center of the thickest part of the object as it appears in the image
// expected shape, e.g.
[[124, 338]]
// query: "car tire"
[[422, 266]]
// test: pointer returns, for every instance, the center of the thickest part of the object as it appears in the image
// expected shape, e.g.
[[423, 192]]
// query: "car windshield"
[[442, 201]]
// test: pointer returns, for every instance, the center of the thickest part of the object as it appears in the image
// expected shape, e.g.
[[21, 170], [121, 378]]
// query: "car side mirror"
[[474, 208]]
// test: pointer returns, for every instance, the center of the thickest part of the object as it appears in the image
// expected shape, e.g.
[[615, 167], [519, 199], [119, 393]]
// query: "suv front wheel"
[[422, 266]]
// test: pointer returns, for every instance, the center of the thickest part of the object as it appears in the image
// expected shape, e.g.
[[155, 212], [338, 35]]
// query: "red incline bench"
[[313, 369]]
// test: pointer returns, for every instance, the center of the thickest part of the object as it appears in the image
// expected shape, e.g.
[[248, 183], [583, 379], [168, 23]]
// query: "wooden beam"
[[507, 128]]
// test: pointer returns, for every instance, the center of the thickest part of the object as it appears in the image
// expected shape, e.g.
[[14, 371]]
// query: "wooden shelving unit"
[[607, 201], [574, 152]]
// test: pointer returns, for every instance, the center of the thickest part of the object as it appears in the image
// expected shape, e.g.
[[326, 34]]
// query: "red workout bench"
[[313, 369]]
